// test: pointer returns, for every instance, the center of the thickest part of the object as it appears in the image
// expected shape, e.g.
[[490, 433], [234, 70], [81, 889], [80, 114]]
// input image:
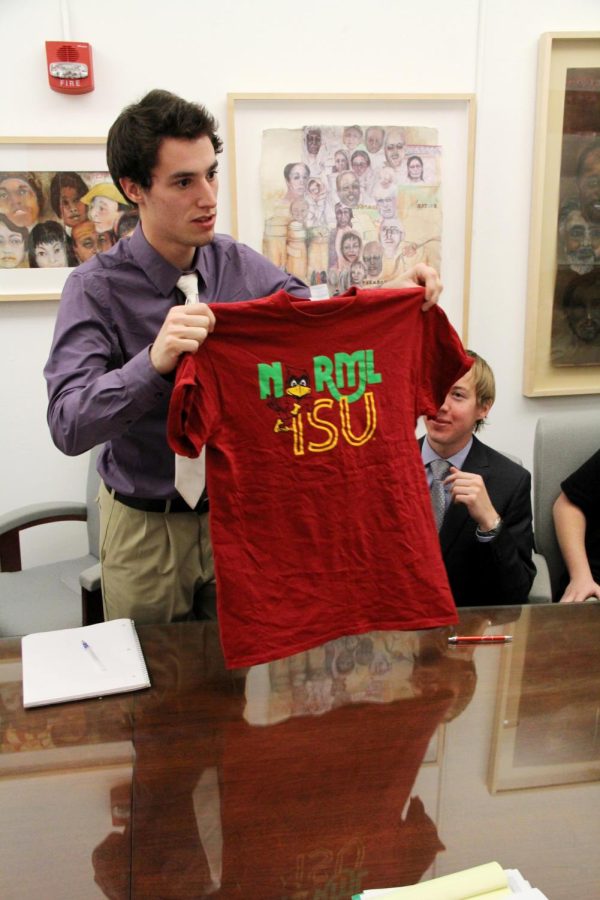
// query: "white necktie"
[[190, 476], [188, 285]]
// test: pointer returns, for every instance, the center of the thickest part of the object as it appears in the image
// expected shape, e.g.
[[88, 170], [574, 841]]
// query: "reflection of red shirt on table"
[[320, 805], [321, 519], [310, 807]]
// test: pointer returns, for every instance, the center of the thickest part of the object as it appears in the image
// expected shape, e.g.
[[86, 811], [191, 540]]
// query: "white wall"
[[202, 50]]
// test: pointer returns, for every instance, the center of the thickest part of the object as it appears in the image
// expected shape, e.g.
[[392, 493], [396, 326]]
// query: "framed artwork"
[[58, 207], [532, 718], [562, 347], [398, 166]]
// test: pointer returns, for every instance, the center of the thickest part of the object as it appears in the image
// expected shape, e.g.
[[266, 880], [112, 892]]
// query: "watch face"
[[492, 532]]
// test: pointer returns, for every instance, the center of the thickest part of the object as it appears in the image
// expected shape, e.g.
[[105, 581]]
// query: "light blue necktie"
[[439, 469]]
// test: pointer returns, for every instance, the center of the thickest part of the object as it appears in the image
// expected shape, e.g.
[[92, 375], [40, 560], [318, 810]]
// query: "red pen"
[[480, 639]]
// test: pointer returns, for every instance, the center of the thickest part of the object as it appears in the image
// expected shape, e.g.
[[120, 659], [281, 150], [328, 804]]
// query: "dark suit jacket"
[[501, 571]]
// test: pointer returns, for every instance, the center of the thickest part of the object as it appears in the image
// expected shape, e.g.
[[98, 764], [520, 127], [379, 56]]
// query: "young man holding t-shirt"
[[120, 332]]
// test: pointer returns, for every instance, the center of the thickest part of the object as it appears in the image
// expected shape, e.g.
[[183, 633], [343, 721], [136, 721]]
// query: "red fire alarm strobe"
[[70, 68]]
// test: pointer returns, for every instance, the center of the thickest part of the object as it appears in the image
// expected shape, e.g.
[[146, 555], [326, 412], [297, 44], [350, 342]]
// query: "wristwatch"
[[494, 530]]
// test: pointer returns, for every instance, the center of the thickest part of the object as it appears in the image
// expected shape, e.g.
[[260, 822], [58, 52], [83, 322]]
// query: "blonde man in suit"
[[486, 535]]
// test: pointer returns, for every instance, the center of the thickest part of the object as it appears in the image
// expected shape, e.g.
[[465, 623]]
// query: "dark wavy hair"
[[65, 179], [135, 137]]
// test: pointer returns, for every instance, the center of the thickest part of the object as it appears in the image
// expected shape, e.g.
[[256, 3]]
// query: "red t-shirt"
[[321, 519]]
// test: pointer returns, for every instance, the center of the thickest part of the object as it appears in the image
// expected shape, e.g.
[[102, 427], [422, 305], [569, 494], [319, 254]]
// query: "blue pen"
[[91, 653]]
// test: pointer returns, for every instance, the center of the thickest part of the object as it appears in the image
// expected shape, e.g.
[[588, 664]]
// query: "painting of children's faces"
[[44, 217], [352, 205], [576, 310]]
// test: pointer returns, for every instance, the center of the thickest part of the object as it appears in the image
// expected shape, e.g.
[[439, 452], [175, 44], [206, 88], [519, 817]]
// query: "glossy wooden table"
[[373, 761]]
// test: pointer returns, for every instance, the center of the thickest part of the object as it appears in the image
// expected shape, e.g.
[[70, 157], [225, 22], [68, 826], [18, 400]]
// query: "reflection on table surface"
[[374, 760]]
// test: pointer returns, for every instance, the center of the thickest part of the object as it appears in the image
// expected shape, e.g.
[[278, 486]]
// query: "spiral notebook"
[[77, 663]]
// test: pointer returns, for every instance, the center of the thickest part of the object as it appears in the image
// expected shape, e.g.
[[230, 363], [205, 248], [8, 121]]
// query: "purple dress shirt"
[[102, 387]]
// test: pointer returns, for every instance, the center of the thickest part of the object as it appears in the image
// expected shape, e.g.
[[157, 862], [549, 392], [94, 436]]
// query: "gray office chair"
[[540, 589], [58, 595], [563, 441]]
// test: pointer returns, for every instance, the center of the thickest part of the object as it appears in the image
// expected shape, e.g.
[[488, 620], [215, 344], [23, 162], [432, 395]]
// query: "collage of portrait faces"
[[356, 205], [576, 312], [59, 219]]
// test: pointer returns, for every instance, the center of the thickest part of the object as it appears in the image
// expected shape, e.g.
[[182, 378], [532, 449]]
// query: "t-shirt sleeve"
[[443, 361], [195, 406], [582, 487]]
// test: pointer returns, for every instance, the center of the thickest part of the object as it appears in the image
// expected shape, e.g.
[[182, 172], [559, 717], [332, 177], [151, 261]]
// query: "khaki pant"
[[152, 563]]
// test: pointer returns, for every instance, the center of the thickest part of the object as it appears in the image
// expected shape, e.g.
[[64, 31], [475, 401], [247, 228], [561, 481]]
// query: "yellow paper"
[[486, 882]]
